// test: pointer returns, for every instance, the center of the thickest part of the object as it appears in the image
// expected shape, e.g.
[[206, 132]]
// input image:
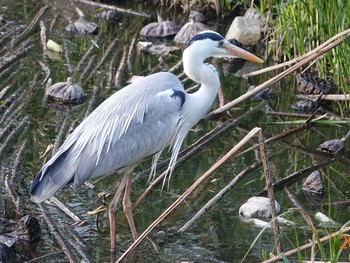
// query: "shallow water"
[[219, 236]]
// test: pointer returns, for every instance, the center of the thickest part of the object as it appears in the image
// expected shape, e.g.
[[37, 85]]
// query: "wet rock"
[[6, 254], [313, 183], [325, 221], [262, 224], [257, 207], [67, 92], [305, 106], [109, 15], [82, 27], [3, 21], [334, 146], [266, 94], [156, 50], [191, 28], [255, 16], [244, 30], [25, 238], [160, 29], [28, 228], [309, 84]]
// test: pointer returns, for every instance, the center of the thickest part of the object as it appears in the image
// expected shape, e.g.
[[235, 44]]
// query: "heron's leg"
[[113, 207], [127, 206]]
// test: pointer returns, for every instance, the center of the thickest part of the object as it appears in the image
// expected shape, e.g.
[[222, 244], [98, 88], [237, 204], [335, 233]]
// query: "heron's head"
[[211, 44]]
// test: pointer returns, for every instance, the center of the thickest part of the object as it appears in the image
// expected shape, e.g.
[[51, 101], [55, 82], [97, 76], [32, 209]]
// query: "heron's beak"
[[240, 53]]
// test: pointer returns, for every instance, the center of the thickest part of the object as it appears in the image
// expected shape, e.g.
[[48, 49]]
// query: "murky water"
[[219, 236]]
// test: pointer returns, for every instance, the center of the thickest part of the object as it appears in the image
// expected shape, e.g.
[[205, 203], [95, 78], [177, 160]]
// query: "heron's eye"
[[221, 43]]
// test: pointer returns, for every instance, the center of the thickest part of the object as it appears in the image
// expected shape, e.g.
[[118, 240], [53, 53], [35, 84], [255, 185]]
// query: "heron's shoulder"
[[163, 80]]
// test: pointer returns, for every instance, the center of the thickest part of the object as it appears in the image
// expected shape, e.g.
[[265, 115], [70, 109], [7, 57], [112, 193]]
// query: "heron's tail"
[[53, 176]]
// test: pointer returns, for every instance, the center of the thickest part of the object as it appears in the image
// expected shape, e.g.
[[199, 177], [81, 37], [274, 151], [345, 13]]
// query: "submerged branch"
[[112, 7], [29, 27]]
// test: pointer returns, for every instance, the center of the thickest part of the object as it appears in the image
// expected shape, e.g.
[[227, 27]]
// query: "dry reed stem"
[[331, 97], [273, 80], [43, 39], [45, 257], [300, 209], [113, 7], [131, 52], [118, 74], [298, 59], [19, 128], [87, 54], [307, 246], [88, 67], [111, 71], [271, 195], [204, 177], [109, 50], [64, 208], [54, 232]]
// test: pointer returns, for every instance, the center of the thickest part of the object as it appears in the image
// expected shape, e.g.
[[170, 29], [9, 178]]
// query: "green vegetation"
[[300, 26]]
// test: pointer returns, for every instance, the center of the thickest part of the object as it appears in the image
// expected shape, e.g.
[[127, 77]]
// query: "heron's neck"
[[206, 75]]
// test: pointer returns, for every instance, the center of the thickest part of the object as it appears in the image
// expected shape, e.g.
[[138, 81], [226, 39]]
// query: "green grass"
[[300, 26]]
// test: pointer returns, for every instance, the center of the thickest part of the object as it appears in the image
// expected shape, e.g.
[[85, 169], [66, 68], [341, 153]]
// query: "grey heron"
[[140, 120]]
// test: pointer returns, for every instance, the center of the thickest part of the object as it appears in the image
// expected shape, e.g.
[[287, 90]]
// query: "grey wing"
[[135, 122]]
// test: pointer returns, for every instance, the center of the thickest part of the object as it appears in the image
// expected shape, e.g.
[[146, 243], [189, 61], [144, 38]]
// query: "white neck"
[[199, 103]]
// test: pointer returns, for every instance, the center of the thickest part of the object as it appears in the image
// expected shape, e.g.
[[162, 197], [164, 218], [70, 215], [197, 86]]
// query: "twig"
[[204, 177], [66, 55], [111, 71], [112, 7], [273, 80], [14, 133], [92, 102], [4, 90], [118, 74], [331, 97], [43, 39], [88, 67], [53, 231], [177, 66], [29, 27], [219, 196], [307, 246], [11, 57], [131, 52], [300, 209], [87, 54], [64, 208], [221, 97], [303, 115], [47, 71], [45, 257], [62, 133], [110, 49], [271, 195]]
